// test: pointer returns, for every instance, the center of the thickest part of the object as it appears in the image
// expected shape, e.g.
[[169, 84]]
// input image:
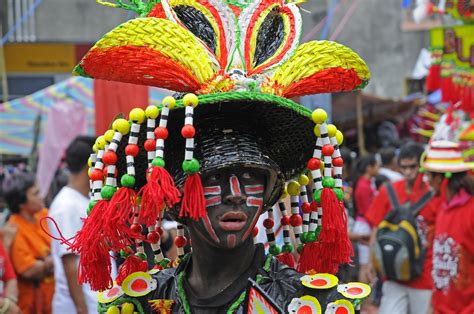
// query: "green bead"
[[164, 262], [328, 182], [141, 255], [124, 253], [127, 181], [300, 247], [317, 232], [339, 193], [422, 170], [158, 162], [317, 196], [448, 175], [310, 237], [91, 205], [191, 166], [274, 250], [107, 192], [303, 237], [287, 248]]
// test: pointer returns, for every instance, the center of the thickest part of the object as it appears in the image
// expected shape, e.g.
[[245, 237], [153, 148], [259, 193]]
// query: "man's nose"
[[235, 199]]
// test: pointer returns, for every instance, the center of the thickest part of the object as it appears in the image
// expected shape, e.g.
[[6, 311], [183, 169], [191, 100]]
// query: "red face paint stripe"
[[235, 186], [253, 201], [209, 229], [212, 190], [253, 189], [213, 201], [231, 240]]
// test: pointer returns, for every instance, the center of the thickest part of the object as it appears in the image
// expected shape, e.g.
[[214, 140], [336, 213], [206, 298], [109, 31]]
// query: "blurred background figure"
[[8, 282], [31, 246], [66, 210], [389, 166]]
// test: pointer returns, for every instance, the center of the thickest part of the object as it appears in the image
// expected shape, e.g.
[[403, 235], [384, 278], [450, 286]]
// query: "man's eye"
[[246, 175], [214, 178]]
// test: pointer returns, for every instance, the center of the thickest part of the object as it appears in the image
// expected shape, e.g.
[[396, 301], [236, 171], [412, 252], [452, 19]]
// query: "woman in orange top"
[[31, 247]]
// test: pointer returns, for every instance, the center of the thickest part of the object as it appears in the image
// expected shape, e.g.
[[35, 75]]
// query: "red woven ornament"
[[193, 204], [131, 265], [158, 192]]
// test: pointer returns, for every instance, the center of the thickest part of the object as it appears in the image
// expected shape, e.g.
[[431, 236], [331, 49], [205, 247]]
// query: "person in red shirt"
[[364, 192], [410, 296]]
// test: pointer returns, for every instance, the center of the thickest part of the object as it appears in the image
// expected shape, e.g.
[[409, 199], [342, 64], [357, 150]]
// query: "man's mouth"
[[233, 221]]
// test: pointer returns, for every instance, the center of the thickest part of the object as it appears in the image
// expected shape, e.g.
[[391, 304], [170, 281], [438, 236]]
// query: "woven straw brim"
[[268, 132]]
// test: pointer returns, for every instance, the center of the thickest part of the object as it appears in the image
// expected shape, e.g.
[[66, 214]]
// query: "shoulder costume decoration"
[[234, 64]]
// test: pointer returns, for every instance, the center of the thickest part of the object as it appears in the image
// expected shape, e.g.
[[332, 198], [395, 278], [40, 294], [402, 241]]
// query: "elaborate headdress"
[[243, 61]]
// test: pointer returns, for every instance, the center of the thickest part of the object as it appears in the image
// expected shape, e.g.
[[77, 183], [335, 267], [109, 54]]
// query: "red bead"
[[188, 131], [255, 232], [150, 145], [153, 237], [96, 175], [132, 150], [160, 231], [296, 220], [268, 223], [109, 158], [161, 133], [327, 150], [314, 206], [314, 164], [106, 171], [136, 229], [180, 241], [337, 162], [306, 207], [285, 220]]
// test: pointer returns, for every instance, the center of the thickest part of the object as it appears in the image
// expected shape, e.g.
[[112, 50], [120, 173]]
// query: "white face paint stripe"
[[235, 186], [209, 229], [253, 189], [212, 190], [253, 201]]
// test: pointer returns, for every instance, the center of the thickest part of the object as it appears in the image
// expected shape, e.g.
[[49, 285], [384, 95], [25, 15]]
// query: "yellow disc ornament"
[[138, 284], [122, 126], [110, 295], [319, 281], [305, 304], [319, 116], [137, 115], [152, 112], [354, 290], [190, 100], [293, 188], [340, 307], [169, 102]]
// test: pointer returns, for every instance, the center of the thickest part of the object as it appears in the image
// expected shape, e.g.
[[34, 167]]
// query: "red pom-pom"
[[153, 237], [268, 223], [285, 220], [160, 231], [161, 133], [337, 162], [188, 131], [131, 265], [255, 232], [109, 157], [306, 207], [131, 150], [136, 229], [314, 164], [180, 241], [96, 175], [327, 150], [149, 145], [296, 220]]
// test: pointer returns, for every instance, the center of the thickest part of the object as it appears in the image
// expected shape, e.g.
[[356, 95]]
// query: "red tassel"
[[313, 259], [193, 204], [119, 217], [287, 259], [158, 192], [131, 265], [433, 80], [92, 247]]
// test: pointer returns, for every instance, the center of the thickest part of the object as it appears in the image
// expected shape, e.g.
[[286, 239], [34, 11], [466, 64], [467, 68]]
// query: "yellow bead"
[[109, 135], [319, 116], [293, 188], [152, 112], [89, 162], [316, 130], [339, 137], [122, 126], [332, 130], [89, 171], [137, 115], [100, 142], [95, 149], [127, 308], [303, 179], [190, 100], [113, 310], [321, 166], [284, 193], [169, 102]]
